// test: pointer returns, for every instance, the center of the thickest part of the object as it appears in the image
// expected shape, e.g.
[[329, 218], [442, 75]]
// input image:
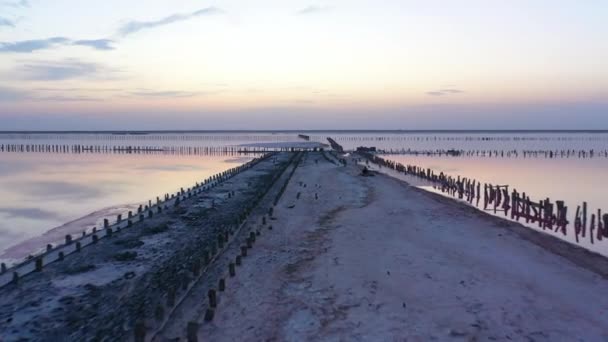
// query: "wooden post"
[[140, 331], [592, 227], [39, 264], [68, 239], [584, 219], [192, 332], [231, 269], [212, 298], [222, 285], [209, 315], [600, 229]]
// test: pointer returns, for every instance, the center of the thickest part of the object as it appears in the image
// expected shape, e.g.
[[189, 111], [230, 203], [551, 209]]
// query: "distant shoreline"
[[399, 131]]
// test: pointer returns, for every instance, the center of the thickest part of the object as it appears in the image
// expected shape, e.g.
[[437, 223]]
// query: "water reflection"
[[39, 191], [574, 182]]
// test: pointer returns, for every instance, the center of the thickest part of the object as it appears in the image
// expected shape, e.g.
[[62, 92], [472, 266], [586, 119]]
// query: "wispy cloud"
[[444, 92], [98, 44], [26, 46], [161, 94], [136, 26], [16, 4], [62, 70], [13, 95], [6, 22], [313, 9], [29, 46]]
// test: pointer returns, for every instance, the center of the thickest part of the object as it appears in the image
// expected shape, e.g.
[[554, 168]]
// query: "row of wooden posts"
[[547, 214], [20, 269], [192, 327], [140, 329], [413, 136], [174, 150], [550, 154], [148, 137]]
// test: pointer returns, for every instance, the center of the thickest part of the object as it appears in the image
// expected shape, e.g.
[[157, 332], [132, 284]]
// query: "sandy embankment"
[[377, 260], [348, 258], [101, 292]]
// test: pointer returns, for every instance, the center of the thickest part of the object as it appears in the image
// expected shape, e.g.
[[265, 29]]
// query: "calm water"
[[574, 180], [44, 196]]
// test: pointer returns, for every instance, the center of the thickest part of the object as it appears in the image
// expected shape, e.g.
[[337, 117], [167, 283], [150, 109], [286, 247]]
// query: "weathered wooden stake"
[[140, 332], [192, 332], [209, 315], [212, 298], [39, 264]]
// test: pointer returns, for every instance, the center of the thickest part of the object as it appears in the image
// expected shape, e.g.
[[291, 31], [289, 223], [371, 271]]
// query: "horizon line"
[[403, 131]]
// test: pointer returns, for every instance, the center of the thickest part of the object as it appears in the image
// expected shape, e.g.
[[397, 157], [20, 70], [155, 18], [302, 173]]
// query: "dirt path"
[[373, 259]]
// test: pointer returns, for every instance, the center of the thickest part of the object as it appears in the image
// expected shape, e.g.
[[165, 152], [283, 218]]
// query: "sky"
[[278, 64]]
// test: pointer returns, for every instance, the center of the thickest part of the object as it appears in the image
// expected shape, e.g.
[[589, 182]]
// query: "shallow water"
[[44, 196], [75, 191], [572, 179]]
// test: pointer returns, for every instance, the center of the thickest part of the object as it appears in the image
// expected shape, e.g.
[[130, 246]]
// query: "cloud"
[[444, 92], [312, 10], [452, 91], [16, 4], [54, 71], [12, 95], [98, 44], [136, 26], [26, 46], [29, 46], [159, 94], [6, 22]]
